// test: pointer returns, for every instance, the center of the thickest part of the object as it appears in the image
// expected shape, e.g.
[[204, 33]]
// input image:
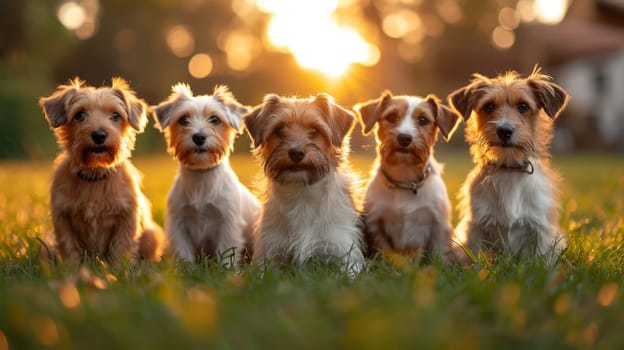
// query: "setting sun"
[[307, 30]]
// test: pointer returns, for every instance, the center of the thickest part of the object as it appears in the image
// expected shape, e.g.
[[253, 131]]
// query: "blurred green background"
[[352, 49]]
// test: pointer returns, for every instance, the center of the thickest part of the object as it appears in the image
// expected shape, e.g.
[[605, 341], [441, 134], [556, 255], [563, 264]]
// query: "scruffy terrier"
[[308, 210], [406, 207], [97, 205], [208, 210], [508, 200]]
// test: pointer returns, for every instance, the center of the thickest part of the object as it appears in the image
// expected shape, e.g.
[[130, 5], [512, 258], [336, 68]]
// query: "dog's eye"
[[115, 116], [422, 121], [80, 116], [522, 107], [184, 120], [392, 118], [489, 108], [280, 131], [313, 133], [214, 120]]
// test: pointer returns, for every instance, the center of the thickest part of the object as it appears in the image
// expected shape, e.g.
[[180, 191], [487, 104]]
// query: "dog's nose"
[[504, 132], [99, 137], [199, 138], [296, 154], [404, 139]]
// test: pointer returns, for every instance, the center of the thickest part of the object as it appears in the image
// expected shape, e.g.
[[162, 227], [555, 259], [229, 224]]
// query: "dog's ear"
[[233, 109], [446, 119], [368, 113], [550, 96], [255, 121], [463, 100], [340, 120], [164, 111], [136, 108], [55, 106]]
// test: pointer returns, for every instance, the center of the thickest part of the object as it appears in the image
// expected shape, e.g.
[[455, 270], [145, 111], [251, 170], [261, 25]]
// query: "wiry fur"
[[208, 210], [97, 205], [502, 205], [397, 219], [307, 209]]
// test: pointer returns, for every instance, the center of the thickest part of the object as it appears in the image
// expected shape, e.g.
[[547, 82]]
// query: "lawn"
[[506, 303]]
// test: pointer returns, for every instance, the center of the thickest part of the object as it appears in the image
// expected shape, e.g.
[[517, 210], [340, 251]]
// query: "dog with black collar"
[[508, 200], [97, 205], [406, 206]]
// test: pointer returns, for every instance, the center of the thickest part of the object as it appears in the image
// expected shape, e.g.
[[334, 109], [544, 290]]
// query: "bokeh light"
[[180, 40], [240, 48], [402, 23], [607, 294], [449, 11], [69, 295], [508, 18], [200, 65], [526, 10], [44, 328], [551, 11], [71, 15], [79, 17], [503, 38]]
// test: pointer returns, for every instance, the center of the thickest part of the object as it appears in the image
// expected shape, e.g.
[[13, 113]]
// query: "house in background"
[[586, 54]]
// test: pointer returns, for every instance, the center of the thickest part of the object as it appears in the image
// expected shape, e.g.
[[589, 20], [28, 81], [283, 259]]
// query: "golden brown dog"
[[406, 207], [308, 209], [97, 205], [509, 198]]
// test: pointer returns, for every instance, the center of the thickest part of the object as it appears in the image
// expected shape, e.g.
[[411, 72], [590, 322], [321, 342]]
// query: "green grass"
[[507, 303]]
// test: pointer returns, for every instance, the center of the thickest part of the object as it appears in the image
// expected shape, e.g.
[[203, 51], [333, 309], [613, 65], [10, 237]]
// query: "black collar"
[[413, 186], [92, 175], [524, 167]]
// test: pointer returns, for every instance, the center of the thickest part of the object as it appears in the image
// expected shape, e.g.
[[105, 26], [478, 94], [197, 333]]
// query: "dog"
[[406, 206], [98, 209], [308, 210], [508, 201], [208, 210]]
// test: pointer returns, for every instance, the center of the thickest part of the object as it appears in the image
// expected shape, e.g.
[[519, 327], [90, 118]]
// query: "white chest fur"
[[408, 219], [300, 222], [508, 198]]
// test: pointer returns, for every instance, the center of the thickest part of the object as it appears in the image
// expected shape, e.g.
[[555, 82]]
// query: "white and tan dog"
[[208, 210], [508, 200], [308, 209], [406, 207]]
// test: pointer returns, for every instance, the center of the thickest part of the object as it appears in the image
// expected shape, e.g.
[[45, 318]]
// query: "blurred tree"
[[30, 39]]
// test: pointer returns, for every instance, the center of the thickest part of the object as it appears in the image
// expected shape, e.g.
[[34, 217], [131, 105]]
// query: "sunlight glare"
[[550, 11], [307, 30]]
